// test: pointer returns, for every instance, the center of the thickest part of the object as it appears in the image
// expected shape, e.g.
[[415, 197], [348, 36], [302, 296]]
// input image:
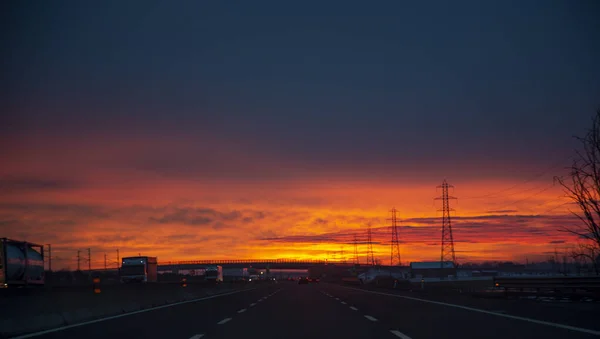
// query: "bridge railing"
[[247, 262]]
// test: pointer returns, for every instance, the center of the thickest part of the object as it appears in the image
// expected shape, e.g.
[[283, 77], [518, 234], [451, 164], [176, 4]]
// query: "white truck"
[[21, 263], [214, 273], [139, 269]]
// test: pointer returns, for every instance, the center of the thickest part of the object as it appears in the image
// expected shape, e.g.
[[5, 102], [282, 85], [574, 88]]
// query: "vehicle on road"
[[139, 269], [21, 263], [214, 274], [313, 280], [303, 281]]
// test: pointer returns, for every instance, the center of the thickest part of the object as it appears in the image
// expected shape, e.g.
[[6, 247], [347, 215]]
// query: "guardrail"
[[561, 285]]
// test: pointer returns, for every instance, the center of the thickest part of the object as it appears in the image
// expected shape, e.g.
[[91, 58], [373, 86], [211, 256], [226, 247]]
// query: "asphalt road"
[[288, 310]]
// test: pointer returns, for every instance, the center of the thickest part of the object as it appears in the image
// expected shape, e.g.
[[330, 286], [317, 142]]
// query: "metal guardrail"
[[556, 284]]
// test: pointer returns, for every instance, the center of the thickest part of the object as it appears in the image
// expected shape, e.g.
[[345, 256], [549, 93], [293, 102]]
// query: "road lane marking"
[[343, 303], [58, 329], [337, 298], [534, 321], [400, 334], [242, 310], [259, 300], [353, 308], [370, 318], [253, 304], [223, 321], [197, 336]]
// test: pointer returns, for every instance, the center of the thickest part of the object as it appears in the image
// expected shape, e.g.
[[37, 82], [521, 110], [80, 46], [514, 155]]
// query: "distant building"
[[432, 269]]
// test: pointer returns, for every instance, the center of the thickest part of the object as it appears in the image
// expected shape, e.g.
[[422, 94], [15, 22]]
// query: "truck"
[[139, 269], [21, 263], [214, 273]]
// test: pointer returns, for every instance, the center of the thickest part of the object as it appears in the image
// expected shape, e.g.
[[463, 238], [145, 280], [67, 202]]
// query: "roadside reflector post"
[[96, 285], [183, 282], [422, 284]]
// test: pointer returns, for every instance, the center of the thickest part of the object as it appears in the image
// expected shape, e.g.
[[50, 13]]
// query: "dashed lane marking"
[[370, 318], [36, 334], [534, 321], [399, 334], [253, 304], [343, 303], [242, 310], [197, 336], [353, 308], [223, 321]]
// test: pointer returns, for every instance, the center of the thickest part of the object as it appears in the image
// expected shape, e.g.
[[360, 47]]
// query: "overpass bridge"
[[255, 263]]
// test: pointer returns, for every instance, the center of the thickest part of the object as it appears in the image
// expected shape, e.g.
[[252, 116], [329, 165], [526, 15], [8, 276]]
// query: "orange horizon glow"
[[191, 220]]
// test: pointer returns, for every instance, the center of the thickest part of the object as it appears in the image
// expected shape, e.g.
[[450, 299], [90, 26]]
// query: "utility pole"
[[89, 259], [49, 257], [447, 239], [370, 256], [118, 259], [105, 261], [395, 256], [356, 251], [78, 260]]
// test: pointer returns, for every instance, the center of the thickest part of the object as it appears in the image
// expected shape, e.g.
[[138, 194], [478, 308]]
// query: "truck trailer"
[[214, 273], [139, 269], [21, 263]]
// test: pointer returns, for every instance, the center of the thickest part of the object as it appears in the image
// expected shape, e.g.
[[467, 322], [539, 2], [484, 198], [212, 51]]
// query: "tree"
[[586, 252], [582, 186]]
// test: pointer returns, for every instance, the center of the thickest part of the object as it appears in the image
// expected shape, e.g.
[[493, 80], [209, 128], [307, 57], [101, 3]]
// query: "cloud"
[[19, 184], [557, 242], [501, 211]]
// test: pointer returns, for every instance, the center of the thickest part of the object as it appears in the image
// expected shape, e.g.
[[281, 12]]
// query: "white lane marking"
[[343, 303], [337, 298], [353, 308], [253, 304], [370, 318], [259, 300], [534, 321], [197, 336], [400, 334], [58, 329], [242, 310], [223, 321]]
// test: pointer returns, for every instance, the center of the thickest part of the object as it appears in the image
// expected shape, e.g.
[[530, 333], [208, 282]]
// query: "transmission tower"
[[370, 256], [356, 251], [78, 260], [447, 239], [395, 256]]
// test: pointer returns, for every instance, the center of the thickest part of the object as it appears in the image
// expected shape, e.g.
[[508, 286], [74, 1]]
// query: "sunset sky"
[[245, 129]]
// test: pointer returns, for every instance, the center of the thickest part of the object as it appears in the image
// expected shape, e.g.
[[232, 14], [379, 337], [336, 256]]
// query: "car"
[[303, 281], [313, 280]]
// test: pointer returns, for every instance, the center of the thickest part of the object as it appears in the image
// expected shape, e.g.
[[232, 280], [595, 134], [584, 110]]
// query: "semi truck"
[[139, 269], [214, 273], [21, 263]]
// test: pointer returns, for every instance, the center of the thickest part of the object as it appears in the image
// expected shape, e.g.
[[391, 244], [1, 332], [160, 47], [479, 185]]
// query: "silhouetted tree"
[[587, 252], [582, 185]]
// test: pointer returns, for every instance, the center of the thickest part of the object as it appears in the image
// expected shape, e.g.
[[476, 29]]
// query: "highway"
[[289, 310]]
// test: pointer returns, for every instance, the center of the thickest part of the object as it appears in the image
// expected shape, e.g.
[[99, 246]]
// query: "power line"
[[556, 164], [526, 198]]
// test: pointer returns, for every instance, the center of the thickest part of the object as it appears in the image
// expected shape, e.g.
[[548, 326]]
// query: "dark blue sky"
[[344, 84]]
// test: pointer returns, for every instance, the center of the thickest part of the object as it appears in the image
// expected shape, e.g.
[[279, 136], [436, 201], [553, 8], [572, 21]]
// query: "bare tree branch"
[[583, 189]]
